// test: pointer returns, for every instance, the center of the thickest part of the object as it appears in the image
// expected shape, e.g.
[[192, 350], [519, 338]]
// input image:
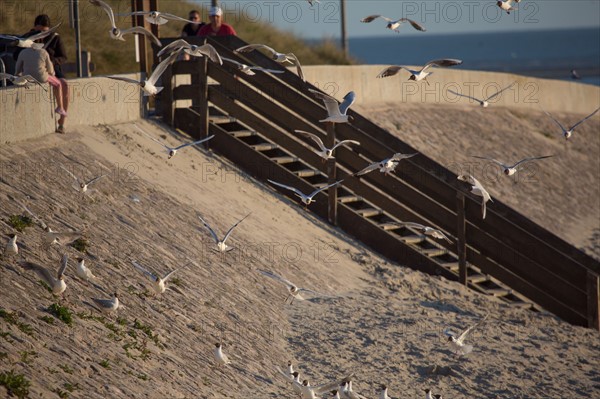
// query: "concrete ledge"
[[29, 112], [528, 93]]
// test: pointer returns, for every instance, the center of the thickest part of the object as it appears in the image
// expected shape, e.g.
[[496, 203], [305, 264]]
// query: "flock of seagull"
[[336, 113]]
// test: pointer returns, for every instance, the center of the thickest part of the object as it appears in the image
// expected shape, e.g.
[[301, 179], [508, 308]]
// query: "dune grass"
[[111, 56]]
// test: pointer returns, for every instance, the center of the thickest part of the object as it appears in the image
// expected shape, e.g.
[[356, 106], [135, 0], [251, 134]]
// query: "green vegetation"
[[81, 244], [105, 363], [15, 384], [26, 356], [65, 368], [13, 318], [47, 319], [19, 222], [62, 313]]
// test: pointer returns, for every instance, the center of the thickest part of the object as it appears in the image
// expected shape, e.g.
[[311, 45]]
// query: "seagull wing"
[[210, 230], [250, 47], [70, 174], [555, 121], [174, 17], [345, 143], [585, 119], [392, 70], [152, 138], [413, 23], [522, 161], [104, 303], [276, 277], [31, 79], [493, 160], [294, 189], [399, 156], [160, 68], [166, 277], [315, 138], [371, 18], [107, 9], [298, 66], [10, 37], [238, 64], [370, 168], [41, 271], [195, 142], [257, 68], [209, 51], [464, 95], [317, 191], [40, 221], [43, 34], [412, 224], [144, 270], [63, 266], [498, 92], [285, 375], [464, 334], [445, 62], [348, 101], [330, 103], [233, 227], [95, 179], [174, 45], [143, 31], [124, 79]]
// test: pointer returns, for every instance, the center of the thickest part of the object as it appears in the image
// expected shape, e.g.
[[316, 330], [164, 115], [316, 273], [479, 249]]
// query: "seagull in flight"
[[421, 74], [116, 33], [335, 113], [347, 391], [428, 231], [158, 283], [82, 185], [325, 152], [485, 102], [159, 18], [306, 199], [294, 290], [275, 56], [30, 41], [567, 133], [249, 69], [510, 170], [53, 237], [197, 51], [394, 24], [458, 343], [506, 5], [57, 284], [220, 357], [386, 166], [23, 80], [148, 85], [173, 150], [289, 375], [477, 189], [221, 245]]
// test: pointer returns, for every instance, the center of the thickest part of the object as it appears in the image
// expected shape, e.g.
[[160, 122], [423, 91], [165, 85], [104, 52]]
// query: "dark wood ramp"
[[253, 119]]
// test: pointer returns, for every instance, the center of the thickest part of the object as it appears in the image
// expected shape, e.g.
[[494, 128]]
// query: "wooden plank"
[[331, 176], [593, 308], [461, 242]]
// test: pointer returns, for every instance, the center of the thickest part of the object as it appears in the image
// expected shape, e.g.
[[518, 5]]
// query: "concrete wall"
[[28, 112], [528, 93]]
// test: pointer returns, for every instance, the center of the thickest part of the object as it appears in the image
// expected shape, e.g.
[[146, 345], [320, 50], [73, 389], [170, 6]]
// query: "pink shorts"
[[54, 81]]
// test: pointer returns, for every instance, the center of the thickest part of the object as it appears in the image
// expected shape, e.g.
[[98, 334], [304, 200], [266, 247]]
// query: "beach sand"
[[386, 327]]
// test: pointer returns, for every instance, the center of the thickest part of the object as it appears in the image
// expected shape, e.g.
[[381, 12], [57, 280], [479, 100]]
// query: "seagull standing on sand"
[[275, 56], [567, 133], [108, 305], [221, 245], [294, 290], [335, 113], [485, 102], [249, 69], [83, 272], [428, 231], [57, 284], [173, 150], [148, 85], [383, 394], [477, 189], [394, 24], [11, 249], [220, 357], [23, 80], [158, 283], [506, 5], [30, 41], [421, 74], [116, 33], [458, 343], [510, 170], [386, 166], [306, 199], [325, 153], [82, 185], [193, 50]]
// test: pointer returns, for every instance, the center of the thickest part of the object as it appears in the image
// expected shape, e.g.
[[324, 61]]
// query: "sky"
[[322, 20]]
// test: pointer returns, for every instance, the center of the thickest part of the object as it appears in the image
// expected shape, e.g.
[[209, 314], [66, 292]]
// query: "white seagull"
[[383, 394], [193, 50], [249, 69], [428, 231], [82, 185], [394, 24], [386, 166], [11, 249], [294, 290], [158, 283], [335, 113], [311, 392], [83, 272], [107, 305], [306, 199], [220, 357], [289, 375], [485, 102], [507, 5], [567, 133], [159, 18], [348, 393], [325, 152], [148, 85], [221, 245], [510, 170], [53, 237], [117, 33], [421, 74], [173, 150], [458, 343], [477, 189], [428, 394], [23, 80], [30, 41], [57, 284], [275, 56]]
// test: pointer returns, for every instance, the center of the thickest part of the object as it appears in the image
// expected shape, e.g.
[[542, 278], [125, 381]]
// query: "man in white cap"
[[216, 27]]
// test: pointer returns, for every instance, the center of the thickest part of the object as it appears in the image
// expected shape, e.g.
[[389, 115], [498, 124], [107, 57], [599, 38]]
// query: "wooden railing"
[[505, 245]]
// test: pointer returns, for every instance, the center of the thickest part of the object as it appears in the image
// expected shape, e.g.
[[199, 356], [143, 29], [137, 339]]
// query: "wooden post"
[[331, 176], [167, 103], [201, 101], [461, 234], [593, 300]]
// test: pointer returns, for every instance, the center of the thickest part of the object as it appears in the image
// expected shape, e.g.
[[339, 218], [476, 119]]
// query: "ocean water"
[[547, 54]]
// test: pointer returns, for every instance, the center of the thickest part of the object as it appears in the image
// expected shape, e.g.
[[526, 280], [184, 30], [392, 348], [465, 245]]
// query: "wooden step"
[[432, 252], [307, 172], [388, 226], [497, 292], [238, 134], [283, 160], [349, 198], [320, 185], [478, 278], [412, 239], [265, 146], [369, 212], [452, 266], [520, 304], [218, 119]]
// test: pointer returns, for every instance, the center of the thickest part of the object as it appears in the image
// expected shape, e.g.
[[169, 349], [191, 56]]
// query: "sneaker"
[[60, 111], [60, 129]]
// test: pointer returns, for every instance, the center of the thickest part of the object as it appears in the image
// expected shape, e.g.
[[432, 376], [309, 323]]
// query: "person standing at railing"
[[192, 28], [216, 27]]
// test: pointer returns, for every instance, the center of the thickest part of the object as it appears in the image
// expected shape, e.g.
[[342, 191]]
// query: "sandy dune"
[[386, 328]]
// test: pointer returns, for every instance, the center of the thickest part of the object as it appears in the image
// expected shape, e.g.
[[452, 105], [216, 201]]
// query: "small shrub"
[[80, 244], [47, 319], [105, 363], [62, 313], [15, 384], [19, 222]]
